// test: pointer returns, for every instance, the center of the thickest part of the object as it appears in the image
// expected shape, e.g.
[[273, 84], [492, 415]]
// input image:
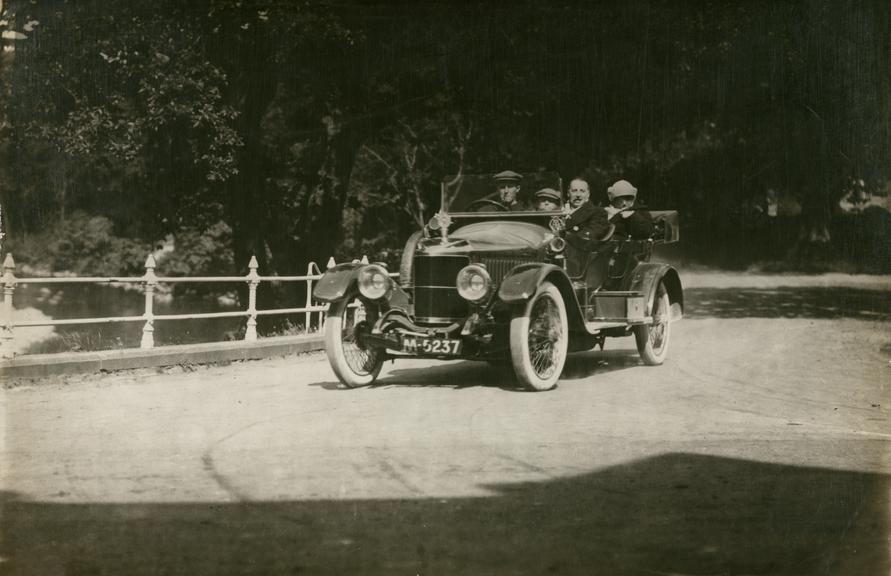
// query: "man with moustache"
[[587, 224]]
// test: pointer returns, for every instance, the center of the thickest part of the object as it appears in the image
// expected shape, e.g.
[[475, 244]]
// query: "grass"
[[92, 340], [289, 328], [75, 341]]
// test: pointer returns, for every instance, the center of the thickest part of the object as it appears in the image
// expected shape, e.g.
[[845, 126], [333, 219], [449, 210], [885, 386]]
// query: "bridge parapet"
[[149, 283]]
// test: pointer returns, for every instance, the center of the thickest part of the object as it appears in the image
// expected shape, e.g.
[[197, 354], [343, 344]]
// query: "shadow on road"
[[584, 364], [458, 375], [474, 374], [787, 303], [671, 514]]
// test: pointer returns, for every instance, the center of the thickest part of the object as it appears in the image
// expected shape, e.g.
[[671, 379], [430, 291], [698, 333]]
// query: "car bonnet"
[[502, 236]]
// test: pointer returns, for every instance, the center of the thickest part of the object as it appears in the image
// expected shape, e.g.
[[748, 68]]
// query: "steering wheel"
[[486, 202]]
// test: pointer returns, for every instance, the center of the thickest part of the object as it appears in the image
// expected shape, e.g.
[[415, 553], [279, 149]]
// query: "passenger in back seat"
[[629, 219]]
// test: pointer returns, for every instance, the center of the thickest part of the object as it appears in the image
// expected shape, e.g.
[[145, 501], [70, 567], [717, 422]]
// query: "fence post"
[[250, 334], [329, 265], [6, 342], [307, 316], [150, 280]]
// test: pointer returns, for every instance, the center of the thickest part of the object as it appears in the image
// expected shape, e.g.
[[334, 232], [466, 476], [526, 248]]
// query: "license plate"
[[437, 346]]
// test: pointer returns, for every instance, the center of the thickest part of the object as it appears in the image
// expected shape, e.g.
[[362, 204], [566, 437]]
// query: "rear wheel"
[[652, 339], [539, 339], [346, 323]]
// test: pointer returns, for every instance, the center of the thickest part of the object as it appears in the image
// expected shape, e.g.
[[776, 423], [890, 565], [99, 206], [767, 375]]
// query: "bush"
[[199, 253], [83, 245], [86, 245]]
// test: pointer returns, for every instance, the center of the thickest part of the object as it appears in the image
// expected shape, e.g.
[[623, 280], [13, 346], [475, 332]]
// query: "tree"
[[286, 120]]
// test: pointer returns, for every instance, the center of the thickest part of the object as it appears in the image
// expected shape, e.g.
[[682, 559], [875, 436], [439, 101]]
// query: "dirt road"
[[760, 447]]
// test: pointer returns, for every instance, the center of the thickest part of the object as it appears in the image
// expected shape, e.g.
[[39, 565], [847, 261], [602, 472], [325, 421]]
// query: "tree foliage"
[[324, 128]]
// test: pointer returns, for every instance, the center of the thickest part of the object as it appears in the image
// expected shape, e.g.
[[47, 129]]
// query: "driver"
[[507, 184]]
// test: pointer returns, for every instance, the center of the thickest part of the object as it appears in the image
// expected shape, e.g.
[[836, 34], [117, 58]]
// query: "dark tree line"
[[294, 131]]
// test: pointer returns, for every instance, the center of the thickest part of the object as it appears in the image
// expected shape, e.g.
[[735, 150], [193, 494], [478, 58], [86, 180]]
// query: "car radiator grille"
[[499, 267], [436, 298]]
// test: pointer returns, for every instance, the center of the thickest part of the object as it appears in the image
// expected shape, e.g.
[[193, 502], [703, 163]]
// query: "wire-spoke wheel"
[[652, 339], [354, 363], [539, 339]]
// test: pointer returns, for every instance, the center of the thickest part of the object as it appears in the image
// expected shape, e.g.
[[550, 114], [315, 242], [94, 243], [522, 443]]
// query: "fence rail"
[[149, 281]]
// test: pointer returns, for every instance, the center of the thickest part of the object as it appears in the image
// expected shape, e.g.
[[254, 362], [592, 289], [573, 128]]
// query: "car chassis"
[[503, 287]]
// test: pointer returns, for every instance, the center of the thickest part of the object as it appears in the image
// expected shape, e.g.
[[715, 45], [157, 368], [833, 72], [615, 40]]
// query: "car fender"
[[339, 282], [408, 257], [521, 283], [645, 279], [336, 282]]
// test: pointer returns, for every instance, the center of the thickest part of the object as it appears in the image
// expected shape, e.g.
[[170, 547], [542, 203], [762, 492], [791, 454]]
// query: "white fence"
[[149, 281]]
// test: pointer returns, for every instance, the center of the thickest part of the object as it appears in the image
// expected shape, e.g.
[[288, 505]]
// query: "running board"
[[597, 326], [615, 309]]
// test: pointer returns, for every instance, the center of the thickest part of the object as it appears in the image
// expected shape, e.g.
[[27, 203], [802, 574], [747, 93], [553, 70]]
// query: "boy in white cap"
[[628, 219], [548, 200]]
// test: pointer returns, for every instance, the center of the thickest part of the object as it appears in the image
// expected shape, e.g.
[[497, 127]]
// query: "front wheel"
[[354, 363], [539, 339], [652, 339]]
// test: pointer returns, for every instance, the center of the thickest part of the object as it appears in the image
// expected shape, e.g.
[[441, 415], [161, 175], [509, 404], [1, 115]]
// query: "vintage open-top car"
[[484, 282]]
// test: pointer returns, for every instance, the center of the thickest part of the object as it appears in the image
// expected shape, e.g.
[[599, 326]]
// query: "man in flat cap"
[[507, 184], [548, 200], [624, 214]]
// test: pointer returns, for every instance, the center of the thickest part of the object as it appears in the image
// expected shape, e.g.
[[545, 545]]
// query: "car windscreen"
[[477, 192]]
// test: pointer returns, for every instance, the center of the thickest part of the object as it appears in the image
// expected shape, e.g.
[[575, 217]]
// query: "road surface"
[[760, 447]]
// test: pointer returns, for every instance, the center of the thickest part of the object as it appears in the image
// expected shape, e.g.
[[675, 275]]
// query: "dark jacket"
[[586, 226], [638, 225]]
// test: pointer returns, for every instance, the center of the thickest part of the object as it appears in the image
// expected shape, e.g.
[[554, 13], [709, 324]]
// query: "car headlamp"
[[473, 283], [556, 245], [374, 282]]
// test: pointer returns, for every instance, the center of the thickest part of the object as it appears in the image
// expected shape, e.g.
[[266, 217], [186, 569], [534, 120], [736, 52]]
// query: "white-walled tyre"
[[353, 363], [652, 339], [539, 339]]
